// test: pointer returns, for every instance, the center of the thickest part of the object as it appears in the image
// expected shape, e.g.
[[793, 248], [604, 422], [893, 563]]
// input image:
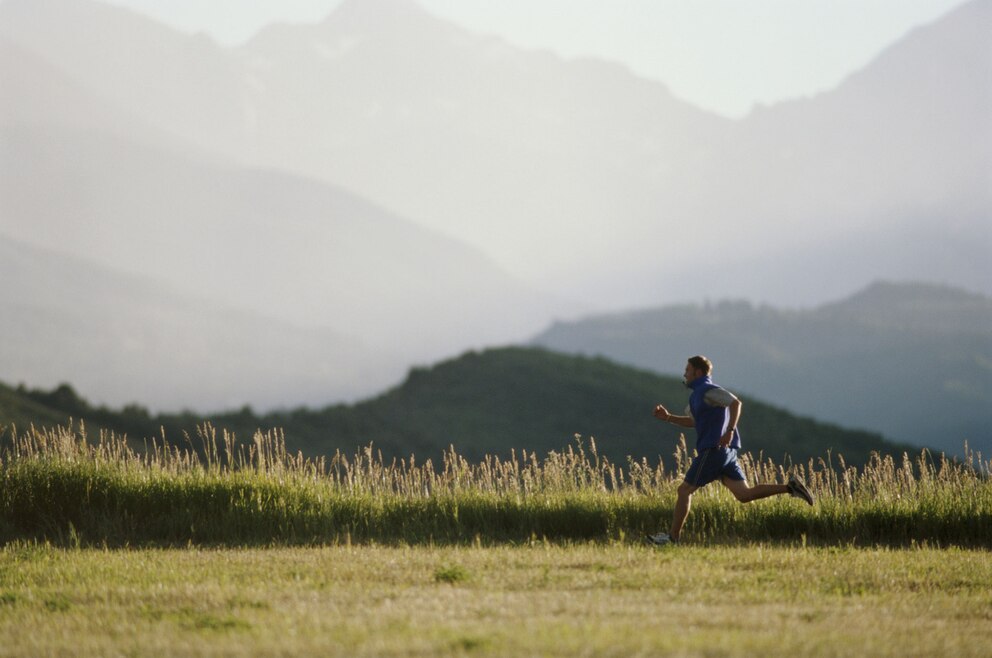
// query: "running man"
[[714, 412]]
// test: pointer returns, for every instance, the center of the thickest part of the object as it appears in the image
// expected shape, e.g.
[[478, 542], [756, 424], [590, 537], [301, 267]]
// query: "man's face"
[[691, 374]]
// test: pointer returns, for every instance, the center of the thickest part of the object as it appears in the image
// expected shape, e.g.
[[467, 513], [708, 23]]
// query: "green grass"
[[60, 486], [540, 598]]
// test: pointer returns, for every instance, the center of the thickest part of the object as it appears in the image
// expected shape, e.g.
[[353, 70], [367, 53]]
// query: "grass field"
[[606, 599], [223, 548]]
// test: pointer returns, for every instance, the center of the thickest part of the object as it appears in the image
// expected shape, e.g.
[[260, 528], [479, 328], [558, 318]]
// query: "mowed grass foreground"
[[553, 599], [61, 487]]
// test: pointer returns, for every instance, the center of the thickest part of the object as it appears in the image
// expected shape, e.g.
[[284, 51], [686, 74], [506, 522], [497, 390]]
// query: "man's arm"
[[721, 397], [735, 415], [661, 413]]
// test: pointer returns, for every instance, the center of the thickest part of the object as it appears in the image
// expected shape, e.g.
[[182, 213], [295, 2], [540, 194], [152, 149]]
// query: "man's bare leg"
[[682, 505], [746, 494]]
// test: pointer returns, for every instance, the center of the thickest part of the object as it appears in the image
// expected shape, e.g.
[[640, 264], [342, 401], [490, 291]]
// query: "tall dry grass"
[[64, 486]]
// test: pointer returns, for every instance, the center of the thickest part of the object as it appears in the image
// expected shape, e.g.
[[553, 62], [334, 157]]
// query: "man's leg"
[[746, 494], [702, 470], [682, 505]]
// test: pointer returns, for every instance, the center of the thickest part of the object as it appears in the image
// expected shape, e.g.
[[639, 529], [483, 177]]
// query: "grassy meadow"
[[218, 547], [554, 599]]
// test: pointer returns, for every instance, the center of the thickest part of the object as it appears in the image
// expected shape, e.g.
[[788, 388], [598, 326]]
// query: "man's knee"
[[741, 491], [685, 490]]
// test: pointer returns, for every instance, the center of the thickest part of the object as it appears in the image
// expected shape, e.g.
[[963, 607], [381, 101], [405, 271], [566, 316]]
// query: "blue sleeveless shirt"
[[711, 421]]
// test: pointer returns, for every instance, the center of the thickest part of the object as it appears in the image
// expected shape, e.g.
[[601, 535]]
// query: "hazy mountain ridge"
[[514, 150], [133, 339], [899, 157], [484, 403], [86, 178], [184, 85], [893, 358], [319, 257]]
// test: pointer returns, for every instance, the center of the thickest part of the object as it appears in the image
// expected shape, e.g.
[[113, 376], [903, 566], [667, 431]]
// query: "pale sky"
[[721, 55]]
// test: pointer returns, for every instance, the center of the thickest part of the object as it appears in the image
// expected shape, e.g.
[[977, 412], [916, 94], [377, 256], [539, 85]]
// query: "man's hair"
[[700, 362]]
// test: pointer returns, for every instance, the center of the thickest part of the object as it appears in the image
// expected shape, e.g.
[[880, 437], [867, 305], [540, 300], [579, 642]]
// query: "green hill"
[[19, 409], [503, 399]]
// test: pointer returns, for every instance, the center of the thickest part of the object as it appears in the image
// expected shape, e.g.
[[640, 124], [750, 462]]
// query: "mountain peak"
[[384, 21], [377, 7], [890, 294], [368, 14]]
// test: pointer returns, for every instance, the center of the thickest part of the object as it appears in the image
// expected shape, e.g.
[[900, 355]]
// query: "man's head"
[[696, 367]]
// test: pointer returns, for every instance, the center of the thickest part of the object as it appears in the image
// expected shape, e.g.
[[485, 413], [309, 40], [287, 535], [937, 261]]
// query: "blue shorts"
[[712, 464]]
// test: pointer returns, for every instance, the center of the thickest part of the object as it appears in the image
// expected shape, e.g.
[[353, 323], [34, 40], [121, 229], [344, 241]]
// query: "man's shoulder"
[[718, 396]]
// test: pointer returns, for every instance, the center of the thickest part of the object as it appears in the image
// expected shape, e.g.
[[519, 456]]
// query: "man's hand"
[[661, 413], [726, 439]]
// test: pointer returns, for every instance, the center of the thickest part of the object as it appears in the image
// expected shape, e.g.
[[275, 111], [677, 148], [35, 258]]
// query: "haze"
[[300, 217]]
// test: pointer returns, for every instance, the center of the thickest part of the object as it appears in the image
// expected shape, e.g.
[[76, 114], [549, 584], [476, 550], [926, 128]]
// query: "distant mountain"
[[910, 361], [130, 339], [497, 401], [185, 86], [98, 185], [536, 159], [502, 148], [582, 176], [285, 246], [886, 176], [577, 175]]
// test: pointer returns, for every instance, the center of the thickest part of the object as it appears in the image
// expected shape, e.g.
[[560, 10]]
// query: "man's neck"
[[698, 381]]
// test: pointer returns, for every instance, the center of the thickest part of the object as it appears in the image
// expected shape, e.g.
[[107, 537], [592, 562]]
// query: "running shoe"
[[798, 489], [661, 539]]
